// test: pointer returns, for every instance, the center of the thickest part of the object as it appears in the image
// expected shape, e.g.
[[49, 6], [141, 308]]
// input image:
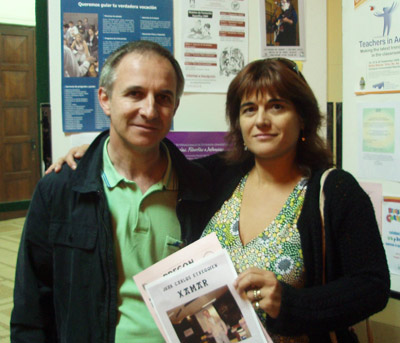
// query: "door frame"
[[42, 89]]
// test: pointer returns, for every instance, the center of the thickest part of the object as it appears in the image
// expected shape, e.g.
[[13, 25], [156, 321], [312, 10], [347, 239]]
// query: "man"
[[72, 31], [81, 28], [216, 327], [86, 24], [287, 24], [131, 201]]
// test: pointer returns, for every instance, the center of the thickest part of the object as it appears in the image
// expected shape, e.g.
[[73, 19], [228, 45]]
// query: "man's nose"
[[149, 107]]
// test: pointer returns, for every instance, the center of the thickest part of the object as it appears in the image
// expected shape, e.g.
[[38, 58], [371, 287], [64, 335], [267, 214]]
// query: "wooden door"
[[19, 158]]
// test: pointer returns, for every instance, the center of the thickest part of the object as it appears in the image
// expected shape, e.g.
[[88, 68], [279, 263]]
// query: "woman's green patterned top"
[[277, 248]]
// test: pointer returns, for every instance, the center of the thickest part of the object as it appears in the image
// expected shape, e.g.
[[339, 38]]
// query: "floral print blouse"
[[277, 248]]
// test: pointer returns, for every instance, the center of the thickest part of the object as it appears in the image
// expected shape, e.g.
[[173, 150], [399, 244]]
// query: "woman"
[[80, 49], [92, 42], [265, 212]]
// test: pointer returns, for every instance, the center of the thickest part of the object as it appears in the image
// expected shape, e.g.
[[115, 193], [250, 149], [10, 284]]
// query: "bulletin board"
[[371, 110], [197, 111]]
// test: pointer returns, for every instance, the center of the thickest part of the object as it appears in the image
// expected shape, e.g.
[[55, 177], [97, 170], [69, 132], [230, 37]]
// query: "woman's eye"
[[248, 110], [277, 107]]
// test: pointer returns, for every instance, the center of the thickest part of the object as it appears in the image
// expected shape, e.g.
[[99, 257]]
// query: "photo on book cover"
[[215, 315]]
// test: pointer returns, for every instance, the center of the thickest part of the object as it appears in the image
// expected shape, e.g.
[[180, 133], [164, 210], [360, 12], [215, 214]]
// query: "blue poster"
[[91, 31]]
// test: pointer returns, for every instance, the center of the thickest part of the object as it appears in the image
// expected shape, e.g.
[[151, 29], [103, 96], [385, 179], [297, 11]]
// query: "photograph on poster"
[[282, 24], [214, 315], [282, 28], [80, 35]]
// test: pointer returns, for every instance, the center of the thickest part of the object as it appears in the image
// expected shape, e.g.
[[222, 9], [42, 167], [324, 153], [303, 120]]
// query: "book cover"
[[199, 301], [177, 261]]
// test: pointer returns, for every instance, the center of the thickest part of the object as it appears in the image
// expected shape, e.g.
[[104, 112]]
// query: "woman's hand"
[[262, 288], [74, 153]]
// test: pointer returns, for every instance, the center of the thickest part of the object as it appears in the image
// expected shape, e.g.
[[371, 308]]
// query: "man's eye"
[[164, 99], [134, 94]]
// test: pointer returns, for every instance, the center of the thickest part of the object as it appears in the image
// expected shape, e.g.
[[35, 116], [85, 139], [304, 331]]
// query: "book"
[[174, 262], [199, 302]]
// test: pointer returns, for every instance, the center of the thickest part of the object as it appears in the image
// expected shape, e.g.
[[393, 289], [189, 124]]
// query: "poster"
[[91, 30], [391, 232], [374, 191], [379, 143], [282, 29], [377, 46], [198, 144], [214, 43]]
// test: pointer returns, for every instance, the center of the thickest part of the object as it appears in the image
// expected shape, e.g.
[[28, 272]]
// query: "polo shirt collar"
[[112, 178]]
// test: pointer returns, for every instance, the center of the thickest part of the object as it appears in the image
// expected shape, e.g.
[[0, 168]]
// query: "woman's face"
[[270, 126]]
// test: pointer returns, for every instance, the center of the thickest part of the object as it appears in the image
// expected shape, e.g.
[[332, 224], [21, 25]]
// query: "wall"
[[197, 112], [350, 110], [20, 12]]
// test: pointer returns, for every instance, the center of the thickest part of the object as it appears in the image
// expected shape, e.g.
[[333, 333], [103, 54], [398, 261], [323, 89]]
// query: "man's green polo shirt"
[[146, 230]]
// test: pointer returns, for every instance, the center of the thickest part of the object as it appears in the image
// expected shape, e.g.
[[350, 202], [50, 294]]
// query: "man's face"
[[142, 103], [206, 314], [285, 4]]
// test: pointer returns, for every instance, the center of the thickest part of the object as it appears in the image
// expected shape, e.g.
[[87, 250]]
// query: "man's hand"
[[74, 153]]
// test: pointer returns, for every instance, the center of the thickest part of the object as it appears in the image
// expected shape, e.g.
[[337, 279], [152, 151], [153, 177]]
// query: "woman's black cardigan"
[[357, 275]]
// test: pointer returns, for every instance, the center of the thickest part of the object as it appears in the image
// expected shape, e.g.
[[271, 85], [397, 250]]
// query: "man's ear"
[[104, 101]]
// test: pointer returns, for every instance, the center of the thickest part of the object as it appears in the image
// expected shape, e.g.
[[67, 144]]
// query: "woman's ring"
[[257, 305], [257, 294]]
